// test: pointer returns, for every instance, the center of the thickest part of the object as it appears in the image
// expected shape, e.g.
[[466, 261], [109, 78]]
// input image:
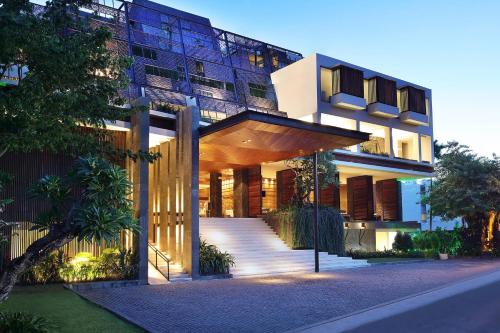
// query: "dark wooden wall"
[[254, 192], [285, 187], [240, 193], [360, 197], [330, 196], [351, 81], [28, 168], [387, 193], [386, 91], [215, 194]]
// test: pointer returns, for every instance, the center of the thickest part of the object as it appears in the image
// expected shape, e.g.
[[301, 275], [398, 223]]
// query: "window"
[[336, 81], [203, 93], [197, 39], [326, 84], [405, 144], [200, 68], [256, 58], [163, 72], [426, 148], [379, 139], [257, 90], [144, 52], [206, 81], [229, 86]]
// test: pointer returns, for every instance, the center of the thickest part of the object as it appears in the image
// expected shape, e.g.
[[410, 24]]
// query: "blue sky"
[[452, 47]]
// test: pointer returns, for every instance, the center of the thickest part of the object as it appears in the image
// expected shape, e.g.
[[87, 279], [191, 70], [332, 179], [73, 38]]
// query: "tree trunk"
[[34, 253]]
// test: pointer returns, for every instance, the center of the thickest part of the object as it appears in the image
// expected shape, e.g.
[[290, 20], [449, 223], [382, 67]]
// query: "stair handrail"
[[162, 256]]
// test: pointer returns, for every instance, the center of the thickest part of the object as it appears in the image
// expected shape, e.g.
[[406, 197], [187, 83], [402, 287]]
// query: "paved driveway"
[[280, 303]]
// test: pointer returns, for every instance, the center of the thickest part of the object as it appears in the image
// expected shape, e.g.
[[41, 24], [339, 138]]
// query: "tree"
[[68, 80], [91, 204], [73, 80], [304, 179], [467, 187]]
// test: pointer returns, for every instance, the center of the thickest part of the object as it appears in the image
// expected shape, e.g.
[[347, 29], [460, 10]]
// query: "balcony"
[[413, 110], [413, 118], [382, 97], [347, 88]]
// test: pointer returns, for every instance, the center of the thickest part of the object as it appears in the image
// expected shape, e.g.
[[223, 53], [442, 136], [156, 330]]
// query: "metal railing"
[[161, 256]]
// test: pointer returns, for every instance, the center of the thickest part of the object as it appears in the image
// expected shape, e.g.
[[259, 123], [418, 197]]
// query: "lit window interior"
[[405, 144], [379, 139]]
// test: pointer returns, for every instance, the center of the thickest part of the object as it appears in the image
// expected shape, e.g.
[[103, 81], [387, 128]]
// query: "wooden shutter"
[[360, 197]]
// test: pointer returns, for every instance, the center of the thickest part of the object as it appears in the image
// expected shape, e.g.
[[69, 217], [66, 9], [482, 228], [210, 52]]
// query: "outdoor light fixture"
[[363, 225], [246, 141], [346, 225]]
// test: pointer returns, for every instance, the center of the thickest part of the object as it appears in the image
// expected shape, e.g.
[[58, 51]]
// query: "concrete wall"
[[296, 88], [353, 241], [299, 93]]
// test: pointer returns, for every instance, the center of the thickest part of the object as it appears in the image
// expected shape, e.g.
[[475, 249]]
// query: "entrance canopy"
[[251, 138]]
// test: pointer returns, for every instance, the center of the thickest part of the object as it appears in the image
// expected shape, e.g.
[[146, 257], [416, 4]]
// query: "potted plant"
[[445, 240]]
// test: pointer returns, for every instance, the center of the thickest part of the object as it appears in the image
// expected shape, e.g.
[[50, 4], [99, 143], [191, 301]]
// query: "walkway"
[[280, 303]]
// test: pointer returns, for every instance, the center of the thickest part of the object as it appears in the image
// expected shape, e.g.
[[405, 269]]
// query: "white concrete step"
[[258, 250]]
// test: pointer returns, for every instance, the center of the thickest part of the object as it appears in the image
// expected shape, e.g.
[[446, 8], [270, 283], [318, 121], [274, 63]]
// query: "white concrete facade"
[[303, 92], [401, 143]]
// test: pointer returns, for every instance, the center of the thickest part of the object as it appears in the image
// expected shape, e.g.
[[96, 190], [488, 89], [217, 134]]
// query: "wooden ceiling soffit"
[[251, 138]]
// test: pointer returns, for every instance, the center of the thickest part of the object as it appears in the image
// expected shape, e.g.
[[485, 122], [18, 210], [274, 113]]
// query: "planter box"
[[443, 256]]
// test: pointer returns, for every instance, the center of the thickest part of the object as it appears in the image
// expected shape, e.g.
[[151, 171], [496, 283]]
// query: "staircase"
[[170, 270], [259, 251]]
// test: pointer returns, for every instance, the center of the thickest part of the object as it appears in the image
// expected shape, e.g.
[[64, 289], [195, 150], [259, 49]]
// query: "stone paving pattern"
[[279, 303]]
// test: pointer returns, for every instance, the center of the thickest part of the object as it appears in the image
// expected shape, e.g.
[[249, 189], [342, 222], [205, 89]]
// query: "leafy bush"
[[402, 242], [439, 241], [214, 261], [112, 264], [22, 322], [357, 254], [294, 226]]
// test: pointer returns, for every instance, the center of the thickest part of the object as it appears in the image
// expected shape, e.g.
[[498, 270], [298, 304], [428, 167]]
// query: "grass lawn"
[[391, 259], [66, 310]]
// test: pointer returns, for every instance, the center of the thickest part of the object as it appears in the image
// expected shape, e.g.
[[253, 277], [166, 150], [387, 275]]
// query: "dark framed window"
[[144, 52], [200, 68], [257, 90], [229, 86], [163, 72]]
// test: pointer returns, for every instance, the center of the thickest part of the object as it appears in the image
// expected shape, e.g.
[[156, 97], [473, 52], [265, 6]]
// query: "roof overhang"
[[251, 138]]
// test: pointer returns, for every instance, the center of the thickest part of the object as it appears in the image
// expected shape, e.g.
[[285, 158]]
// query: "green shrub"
[[22, 322], [214, 261], [439, 241], [425, 240], [402, 242], [112, 264], [358, 254], [294, 226]]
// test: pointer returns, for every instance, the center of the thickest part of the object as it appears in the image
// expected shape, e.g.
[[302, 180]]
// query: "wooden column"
[[140, 141], [254, 191], [240, 192], [215, 194], [172, 200], [163, 178]]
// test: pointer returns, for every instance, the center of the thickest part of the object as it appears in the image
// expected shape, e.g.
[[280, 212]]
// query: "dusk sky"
[[451, 47]]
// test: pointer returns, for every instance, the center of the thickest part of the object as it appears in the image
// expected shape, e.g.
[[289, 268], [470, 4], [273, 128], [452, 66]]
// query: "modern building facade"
[[226, 110]]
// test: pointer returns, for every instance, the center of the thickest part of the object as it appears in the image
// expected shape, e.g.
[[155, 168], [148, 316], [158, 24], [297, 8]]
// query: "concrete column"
[[240, 192], [215, 194], [140, 141]]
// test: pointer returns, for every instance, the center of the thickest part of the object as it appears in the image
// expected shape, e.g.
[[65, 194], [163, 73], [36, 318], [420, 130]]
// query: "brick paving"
[[279, 303]]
